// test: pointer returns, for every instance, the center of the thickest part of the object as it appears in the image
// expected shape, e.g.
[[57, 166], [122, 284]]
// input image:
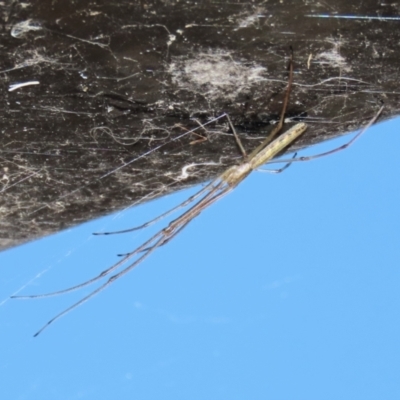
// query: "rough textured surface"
[[99, 98]]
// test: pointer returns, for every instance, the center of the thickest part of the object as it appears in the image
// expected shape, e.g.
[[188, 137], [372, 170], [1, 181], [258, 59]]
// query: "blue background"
[[288, 288]]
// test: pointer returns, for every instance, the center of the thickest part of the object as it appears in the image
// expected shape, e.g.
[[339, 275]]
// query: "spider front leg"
[[278, 127], [336, 149]]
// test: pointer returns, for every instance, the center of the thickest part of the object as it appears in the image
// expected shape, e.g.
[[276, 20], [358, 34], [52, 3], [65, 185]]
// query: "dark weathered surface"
[[110, 85]]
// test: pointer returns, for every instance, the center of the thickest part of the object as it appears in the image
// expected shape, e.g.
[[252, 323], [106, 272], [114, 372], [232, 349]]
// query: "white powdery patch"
[[215, 74], [333, 58]]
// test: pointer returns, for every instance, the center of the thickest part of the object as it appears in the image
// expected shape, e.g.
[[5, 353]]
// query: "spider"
[[212, 192]]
